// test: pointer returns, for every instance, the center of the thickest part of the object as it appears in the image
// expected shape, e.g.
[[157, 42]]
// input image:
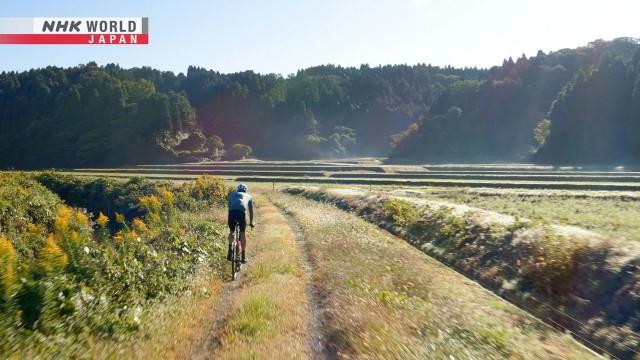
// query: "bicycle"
[[236, 264]]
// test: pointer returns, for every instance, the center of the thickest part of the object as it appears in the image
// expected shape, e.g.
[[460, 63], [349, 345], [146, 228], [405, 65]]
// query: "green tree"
[[216, 147], [542, 131], [341, 137], [239, 151]]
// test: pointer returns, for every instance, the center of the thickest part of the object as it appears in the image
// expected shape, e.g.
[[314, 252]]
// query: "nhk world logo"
[[91, 31]]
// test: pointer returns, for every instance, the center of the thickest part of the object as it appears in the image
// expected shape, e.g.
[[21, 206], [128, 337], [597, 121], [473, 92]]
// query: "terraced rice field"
[[604, 200], [374, 172]]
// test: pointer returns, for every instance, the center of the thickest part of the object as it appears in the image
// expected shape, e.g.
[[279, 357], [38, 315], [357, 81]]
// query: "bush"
[[64, 275], [24, 202], [7, 269], [208, 188], [552, 265], [401, 212], [101, 195], [239, 152], [215, 147]]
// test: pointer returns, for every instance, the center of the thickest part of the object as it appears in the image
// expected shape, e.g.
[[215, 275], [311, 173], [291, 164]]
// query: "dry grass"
[[615, 217], [269, 317], [179, 324], [386, 300]]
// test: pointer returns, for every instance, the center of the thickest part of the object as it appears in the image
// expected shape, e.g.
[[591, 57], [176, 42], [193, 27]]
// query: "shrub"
[[78, 278], [216, 147], [553, 263], [7, 269], [210, 189], [239, 152], [24, 203], [401, 212], [101, 195]]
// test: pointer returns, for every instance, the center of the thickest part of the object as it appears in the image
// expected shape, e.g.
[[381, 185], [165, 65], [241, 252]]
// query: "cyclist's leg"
[[243, 239], [243, 236], [231, 222]]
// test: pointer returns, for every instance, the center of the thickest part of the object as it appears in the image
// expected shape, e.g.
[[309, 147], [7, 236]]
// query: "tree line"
[[543, 108], [553, 107]]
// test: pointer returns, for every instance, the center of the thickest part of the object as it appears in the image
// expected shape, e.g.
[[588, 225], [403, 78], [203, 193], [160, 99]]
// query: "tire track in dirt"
[[318, 345], [222, 312]]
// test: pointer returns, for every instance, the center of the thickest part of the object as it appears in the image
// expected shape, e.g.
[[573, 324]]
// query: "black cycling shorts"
[[237, 217]]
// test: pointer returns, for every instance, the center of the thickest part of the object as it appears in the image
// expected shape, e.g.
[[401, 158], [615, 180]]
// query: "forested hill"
[[93, 115], [561, 101]]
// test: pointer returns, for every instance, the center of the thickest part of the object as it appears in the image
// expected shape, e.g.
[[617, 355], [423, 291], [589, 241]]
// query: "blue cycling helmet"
[[242, 188]]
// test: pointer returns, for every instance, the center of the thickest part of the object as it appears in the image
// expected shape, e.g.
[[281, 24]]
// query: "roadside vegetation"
[[528, 262], [382, 298], [86, 265]]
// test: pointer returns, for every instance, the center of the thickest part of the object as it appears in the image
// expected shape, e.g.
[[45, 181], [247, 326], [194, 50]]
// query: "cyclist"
[[238, 203]]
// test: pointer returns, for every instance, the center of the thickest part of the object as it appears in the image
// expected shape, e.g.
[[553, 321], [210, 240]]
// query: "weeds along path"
[[384, 299], [265, 313]]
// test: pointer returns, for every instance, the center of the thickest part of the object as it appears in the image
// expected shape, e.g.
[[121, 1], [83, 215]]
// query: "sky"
[[282, 36]]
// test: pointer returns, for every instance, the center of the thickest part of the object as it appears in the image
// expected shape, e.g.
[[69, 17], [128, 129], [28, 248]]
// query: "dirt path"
[[270, 311], [319, 347], [222, 311]]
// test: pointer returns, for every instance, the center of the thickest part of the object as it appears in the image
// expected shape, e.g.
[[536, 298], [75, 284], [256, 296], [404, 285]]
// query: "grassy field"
[[521, 260], [601, 200], [615, 217], [373, 172], [384, 299]]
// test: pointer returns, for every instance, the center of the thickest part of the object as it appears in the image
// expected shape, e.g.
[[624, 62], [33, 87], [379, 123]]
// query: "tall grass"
[[383, 299], [571, 280]]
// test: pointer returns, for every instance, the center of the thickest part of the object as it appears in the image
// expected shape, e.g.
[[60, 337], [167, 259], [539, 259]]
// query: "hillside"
[[496, 120], [93, 115]]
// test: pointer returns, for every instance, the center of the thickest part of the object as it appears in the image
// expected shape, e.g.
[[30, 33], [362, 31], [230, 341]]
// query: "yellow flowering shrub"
[[209, 188], [52, 257], [33, 229], [57, 268], [120, 218], [102, 220], [63, 219], [150, 203], [7, 266], [167, 196], [81, 218], [139, 225], [71, 226], [124, 236]]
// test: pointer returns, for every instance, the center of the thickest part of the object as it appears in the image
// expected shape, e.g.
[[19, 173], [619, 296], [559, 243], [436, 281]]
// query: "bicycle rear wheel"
[[238, 263], [234, 253], [233, 260]]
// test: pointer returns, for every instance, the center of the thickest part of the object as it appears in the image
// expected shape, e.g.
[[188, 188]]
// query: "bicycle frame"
[[235, 251]]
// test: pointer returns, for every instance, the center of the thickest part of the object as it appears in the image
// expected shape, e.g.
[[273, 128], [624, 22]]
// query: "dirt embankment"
[[571, 277]]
